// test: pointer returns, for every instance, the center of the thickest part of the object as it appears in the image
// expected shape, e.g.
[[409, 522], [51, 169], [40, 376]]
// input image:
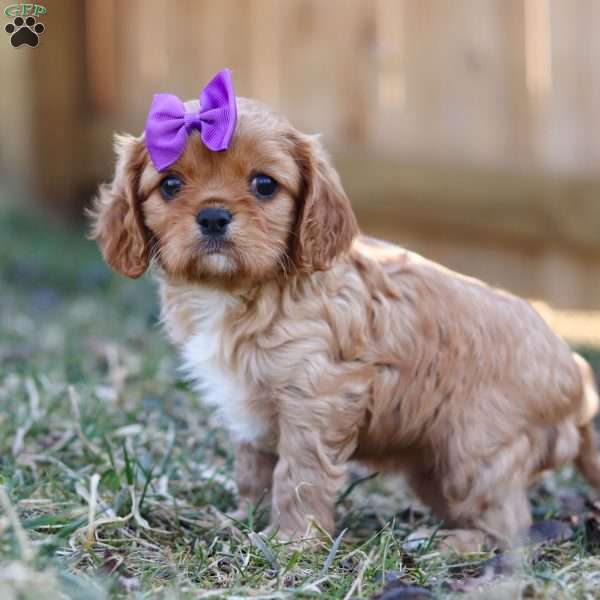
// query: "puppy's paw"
[[448, 541], [280, 534], [288, 535], [240, 514]]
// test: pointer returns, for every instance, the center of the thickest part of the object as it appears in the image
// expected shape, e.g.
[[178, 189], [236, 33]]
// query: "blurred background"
[[465, 130]]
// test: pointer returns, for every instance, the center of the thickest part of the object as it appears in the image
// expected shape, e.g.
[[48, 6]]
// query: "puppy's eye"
[[170, 186], [263, 186]]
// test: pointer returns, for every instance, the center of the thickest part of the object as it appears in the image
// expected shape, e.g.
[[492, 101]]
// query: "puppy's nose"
[[214, 221]]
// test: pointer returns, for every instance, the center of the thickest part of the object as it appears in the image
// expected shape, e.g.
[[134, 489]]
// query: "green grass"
[[91, 404]]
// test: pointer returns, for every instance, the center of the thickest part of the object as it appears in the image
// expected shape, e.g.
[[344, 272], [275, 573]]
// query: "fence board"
[[485, 90]]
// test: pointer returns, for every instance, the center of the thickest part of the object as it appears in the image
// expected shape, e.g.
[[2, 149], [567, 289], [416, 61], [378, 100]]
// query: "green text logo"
[[24, 10]]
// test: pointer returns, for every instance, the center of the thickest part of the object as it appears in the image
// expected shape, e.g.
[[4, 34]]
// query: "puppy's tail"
[[588, 459]]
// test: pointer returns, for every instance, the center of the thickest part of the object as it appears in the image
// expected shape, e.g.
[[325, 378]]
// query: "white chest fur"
[[195, 318]]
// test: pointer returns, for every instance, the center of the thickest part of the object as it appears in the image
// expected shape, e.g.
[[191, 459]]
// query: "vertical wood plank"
[[58, 118], [100, 52]]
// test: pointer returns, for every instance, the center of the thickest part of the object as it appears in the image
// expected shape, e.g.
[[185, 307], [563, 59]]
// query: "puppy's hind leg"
[[486, 493], [507, 516], [482, 504], [588, 460], [502, 520]]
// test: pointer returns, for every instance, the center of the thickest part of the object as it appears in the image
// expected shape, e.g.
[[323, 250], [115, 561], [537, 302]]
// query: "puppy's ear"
[[117, 221], [326, 225]]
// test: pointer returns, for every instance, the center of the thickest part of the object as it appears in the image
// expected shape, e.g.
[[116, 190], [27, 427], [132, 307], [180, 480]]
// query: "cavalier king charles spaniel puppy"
[[318, 345]]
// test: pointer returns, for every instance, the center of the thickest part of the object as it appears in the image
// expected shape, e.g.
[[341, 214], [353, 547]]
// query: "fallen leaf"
[[551, 530]]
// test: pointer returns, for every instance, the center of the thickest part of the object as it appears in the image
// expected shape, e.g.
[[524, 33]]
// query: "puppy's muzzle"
[[214, 222]]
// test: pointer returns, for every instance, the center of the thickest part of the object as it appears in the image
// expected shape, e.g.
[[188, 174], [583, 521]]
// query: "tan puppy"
[[318, 345]]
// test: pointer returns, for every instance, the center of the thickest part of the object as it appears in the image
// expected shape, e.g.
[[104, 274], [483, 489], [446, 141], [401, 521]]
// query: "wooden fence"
[[466, 128]]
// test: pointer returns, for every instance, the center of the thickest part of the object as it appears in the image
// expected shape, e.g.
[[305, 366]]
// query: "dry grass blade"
[[94, 480], [332, 553], [34, 415], [259, 543], [75, 400], [358, 579], [27, 552]]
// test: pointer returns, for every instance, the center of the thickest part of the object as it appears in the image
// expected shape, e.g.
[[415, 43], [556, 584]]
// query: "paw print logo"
[[24, 32]]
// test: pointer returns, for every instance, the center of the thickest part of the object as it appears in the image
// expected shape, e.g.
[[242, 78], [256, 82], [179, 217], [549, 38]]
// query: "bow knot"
[[169, 125]]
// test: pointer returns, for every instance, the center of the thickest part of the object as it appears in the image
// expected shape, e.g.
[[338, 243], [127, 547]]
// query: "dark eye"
[[263, 186], [170, 186]]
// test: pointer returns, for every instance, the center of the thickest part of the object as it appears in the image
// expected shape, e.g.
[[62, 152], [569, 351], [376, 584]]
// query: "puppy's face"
[[226, 214], [268, 206]]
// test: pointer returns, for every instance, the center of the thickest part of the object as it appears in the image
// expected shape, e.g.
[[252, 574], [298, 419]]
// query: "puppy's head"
[[270, 205]]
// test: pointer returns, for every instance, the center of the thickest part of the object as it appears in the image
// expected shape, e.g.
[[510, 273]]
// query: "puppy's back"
[[470, 343]]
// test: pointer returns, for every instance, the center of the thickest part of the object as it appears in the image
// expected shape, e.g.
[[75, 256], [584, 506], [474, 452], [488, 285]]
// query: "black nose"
[[214, 221]]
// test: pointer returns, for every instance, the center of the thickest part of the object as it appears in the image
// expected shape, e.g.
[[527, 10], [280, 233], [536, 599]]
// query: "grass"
[[115, 480]]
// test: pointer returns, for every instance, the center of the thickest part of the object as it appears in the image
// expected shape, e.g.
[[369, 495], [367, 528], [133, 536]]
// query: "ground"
[[115, 481]]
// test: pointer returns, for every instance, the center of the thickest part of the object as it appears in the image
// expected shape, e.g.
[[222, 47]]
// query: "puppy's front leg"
[[253, 475], [305, 482]]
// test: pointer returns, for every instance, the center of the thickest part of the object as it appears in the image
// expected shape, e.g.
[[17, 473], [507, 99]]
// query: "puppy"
[[318, 345]]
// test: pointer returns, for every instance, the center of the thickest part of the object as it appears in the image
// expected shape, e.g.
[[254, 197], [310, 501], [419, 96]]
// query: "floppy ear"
[[117, 221], [326, 225]]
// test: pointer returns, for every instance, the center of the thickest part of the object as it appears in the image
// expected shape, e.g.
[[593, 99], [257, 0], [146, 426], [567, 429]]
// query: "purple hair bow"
[[168, 125]]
